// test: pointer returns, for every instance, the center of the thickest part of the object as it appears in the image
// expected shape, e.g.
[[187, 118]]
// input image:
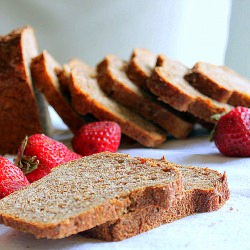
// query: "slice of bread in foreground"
[[18, 108], [84, 193], [205, 190], [113, 80], [43, 69], [168, 83], [88, 97], [220, 83]]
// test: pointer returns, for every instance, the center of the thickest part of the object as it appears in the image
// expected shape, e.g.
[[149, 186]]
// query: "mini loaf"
[[168, 83], [18, 108], [220, 83], [88, 97], [43, 69], [87, 192], [205, 190], [113, 80]]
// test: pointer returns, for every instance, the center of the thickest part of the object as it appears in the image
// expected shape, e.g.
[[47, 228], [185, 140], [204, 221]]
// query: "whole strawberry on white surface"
[[232, 133], [97, 137]]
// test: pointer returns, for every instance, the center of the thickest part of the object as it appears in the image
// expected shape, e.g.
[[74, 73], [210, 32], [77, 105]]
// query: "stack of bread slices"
[[112, 196], [149, 96]]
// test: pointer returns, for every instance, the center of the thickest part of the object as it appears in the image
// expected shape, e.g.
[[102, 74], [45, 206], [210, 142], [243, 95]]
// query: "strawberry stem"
[[26, 163], [215, 117], [211, 136]]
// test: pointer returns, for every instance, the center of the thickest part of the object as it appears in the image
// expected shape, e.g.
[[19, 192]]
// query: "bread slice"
[[140, 66], [64, 74], [18, 108], [220, 83], [114, 82], [168, 83], [140, 69], [43, 69], [205, 190], [87, 192], [88, 97]]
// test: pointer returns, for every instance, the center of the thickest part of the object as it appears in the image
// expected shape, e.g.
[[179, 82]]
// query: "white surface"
[[227, 228]]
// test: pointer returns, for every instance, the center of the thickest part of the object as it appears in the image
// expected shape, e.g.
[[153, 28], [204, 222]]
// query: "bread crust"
[[167, 92], [36, 215], [87, 97], [18, 108], [195, 200], [113, 80], [208, 86], [43, 69], [239, 99], [220, 83], [140, 66], [168, 83]]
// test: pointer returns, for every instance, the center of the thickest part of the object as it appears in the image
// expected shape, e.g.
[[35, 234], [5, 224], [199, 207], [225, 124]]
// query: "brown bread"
[[64, 74], [220, 83], [168, 83], [43, 69], [87, 192], [114, 82], [205, 190], [88, 97], [18, 108], [140, 66]]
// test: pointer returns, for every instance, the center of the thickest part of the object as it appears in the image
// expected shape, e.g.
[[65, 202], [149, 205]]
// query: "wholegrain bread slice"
[[87, 192], [64, 74], [18, 108], [205, 190], [43, 70], [140, 66], [168, 83], [220, 83], [88, 97], [114, 82]]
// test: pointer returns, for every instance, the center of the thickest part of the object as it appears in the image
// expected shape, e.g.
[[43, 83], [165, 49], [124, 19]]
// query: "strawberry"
[[11, 177], [97, 137], [232, 133], [38, 154]]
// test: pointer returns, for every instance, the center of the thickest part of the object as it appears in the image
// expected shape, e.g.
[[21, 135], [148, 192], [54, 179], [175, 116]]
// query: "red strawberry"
[[97, 137], [11, 177], [232, 133], [38, 154]]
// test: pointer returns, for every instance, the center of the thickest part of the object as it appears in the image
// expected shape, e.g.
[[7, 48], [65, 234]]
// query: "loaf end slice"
[[88, 97], [205, 190], [84, 193], [19, 111], [43, 69]]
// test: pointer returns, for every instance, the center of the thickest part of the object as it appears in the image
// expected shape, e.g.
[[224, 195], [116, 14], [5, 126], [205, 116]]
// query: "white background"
[[188, 30]]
